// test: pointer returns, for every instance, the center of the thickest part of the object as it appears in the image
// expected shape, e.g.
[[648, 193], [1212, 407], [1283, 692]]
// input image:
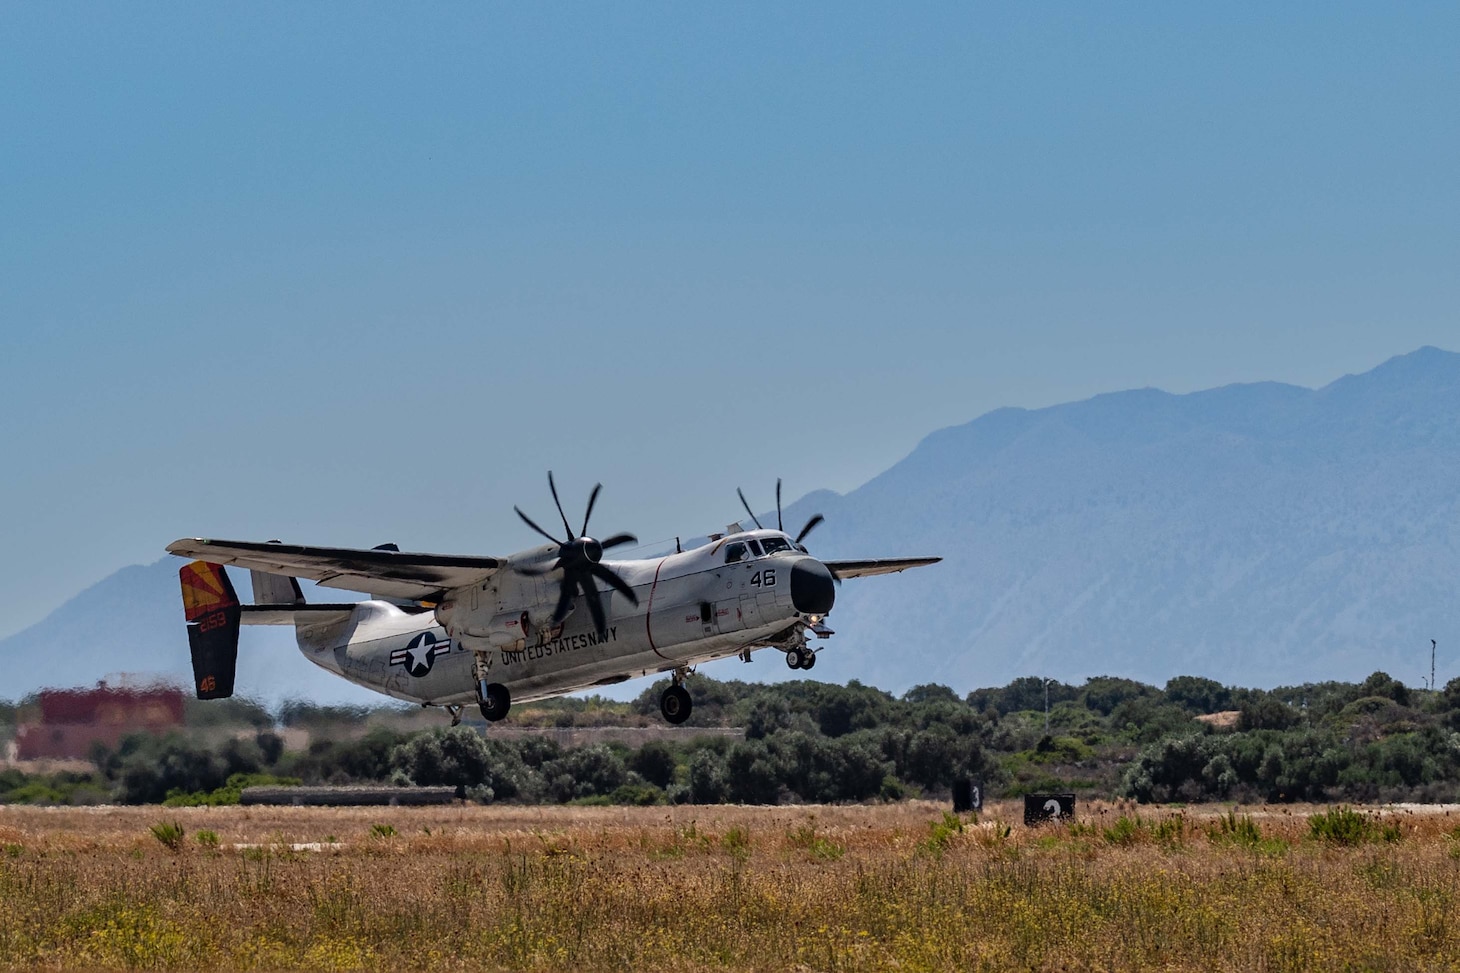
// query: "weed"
[[992, 834], [736, 841], [382, 831], [1236, 830], [680, 840], [1345, 826], [170, 833], [819, 847], [942, 834], [1170, 833], [208, 839], [1126, 831]]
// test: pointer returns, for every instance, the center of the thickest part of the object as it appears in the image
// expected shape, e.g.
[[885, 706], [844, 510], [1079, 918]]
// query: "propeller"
[[578, 558], [780, 525]]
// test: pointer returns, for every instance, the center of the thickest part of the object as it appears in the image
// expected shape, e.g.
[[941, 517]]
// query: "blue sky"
[[346, 273]]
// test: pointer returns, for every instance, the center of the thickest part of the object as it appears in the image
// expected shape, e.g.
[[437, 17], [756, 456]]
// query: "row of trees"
[[1193, 739]]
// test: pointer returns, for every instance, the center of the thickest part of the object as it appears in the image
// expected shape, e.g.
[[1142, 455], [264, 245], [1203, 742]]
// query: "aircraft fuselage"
[[712, 602]]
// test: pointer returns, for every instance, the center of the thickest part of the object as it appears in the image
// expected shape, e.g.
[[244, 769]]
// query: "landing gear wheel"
[[810, 660], [675, 704], [796, 658], [495, 701]]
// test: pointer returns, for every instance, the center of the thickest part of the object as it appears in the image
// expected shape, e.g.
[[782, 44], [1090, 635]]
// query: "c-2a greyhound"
[[446, 630]]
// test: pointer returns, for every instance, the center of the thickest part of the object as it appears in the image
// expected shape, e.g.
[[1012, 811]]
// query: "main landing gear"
[[675, 704], [493, 700], [800, 657]]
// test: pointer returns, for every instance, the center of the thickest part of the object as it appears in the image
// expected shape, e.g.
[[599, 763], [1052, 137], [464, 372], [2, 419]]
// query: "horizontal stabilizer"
[[295, 614]]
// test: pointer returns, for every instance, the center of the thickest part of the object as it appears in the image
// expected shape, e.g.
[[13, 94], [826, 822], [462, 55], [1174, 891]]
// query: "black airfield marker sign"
[[1048, 808], [967, 795]]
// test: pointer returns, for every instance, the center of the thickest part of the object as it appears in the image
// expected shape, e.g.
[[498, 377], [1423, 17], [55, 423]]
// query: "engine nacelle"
[[506, 630]]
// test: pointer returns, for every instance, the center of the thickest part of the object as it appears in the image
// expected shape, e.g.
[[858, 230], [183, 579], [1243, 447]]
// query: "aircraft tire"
[[676, 704], [497, 702], [810, 661], [796, 658]]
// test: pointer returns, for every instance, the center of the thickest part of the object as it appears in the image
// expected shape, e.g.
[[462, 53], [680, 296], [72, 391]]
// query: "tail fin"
[[213, 615]]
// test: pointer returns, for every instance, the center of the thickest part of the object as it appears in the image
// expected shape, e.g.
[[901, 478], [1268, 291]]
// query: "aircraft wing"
[[388, 574], [883, 565]]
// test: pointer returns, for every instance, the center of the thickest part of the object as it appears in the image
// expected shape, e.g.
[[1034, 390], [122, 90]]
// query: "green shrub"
[[1345, 826], [736, 841], [1170, 832], [942, 834], [640, 795], [1238, 830], [230, 793], [817, 846], [170, 833], [1126, 831]]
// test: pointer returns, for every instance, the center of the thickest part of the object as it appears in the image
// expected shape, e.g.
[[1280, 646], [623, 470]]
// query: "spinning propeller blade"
[[753, 517], [592, 499], [567, 531], [578, 559], [810, 526], [531, 523]]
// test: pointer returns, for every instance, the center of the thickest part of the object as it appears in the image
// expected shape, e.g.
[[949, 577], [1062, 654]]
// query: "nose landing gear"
[[800, 657]]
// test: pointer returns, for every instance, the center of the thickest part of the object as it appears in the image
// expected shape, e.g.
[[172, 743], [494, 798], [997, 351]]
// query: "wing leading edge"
[[884, 565], [388, 574]]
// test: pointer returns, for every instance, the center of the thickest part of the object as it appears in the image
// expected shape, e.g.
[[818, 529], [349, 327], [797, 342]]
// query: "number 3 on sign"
[[763, 579]]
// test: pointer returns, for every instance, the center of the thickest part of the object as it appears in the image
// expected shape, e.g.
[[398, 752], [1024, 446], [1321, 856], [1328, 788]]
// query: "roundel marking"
[[419, 654]]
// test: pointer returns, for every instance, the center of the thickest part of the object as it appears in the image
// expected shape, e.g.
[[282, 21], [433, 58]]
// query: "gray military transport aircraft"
[[448, 630]]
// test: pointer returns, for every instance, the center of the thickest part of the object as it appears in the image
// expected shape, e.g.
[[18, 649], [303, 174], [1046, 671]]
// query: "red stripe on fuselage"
[[649, 615]]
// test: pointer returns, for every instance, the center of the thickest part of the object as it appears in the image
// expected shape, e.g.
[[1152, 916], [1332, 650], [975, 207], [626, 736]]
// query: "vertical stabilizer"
[[213, 615]]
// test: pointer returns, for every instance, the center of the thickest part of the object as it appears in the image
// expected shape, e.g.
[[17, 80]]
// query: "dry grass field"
[[738, 888]]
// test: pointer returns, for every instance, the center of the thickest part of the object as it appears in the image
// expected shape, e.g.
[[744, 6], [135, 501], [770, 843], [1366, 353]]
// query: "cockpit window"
[[754, 546], [774, 544], [734, 552]]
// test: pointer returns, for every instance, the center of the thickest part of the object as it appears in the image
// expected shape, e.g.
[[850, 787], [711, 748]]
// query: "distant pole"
[[1432, 665], [1046, 706]]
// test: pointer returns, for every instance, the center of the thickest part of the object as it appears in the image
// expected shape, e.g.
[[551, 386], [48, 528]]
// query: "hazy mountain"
[[1259, 534]]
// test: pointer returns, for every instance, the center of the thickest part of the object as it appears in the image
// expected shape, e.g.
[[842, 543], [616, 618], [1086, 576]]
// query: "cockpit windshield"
[[775, 544], [734, 552]]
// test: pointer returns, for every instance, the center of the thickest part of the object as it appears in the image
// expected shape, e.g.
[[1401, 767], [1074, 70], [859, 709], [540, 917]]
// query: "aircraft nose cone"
[[812, 590]]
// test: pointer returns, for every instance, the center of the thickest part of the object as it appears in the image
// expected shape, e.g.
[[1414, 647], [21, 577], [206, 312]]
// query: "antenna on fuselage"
[[677, 548]]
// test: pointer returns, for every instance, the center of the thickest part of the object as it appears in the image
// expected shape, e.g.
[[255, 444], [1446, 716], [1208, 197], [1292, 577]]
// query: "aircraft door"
[[749, 610], [727, 615]]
